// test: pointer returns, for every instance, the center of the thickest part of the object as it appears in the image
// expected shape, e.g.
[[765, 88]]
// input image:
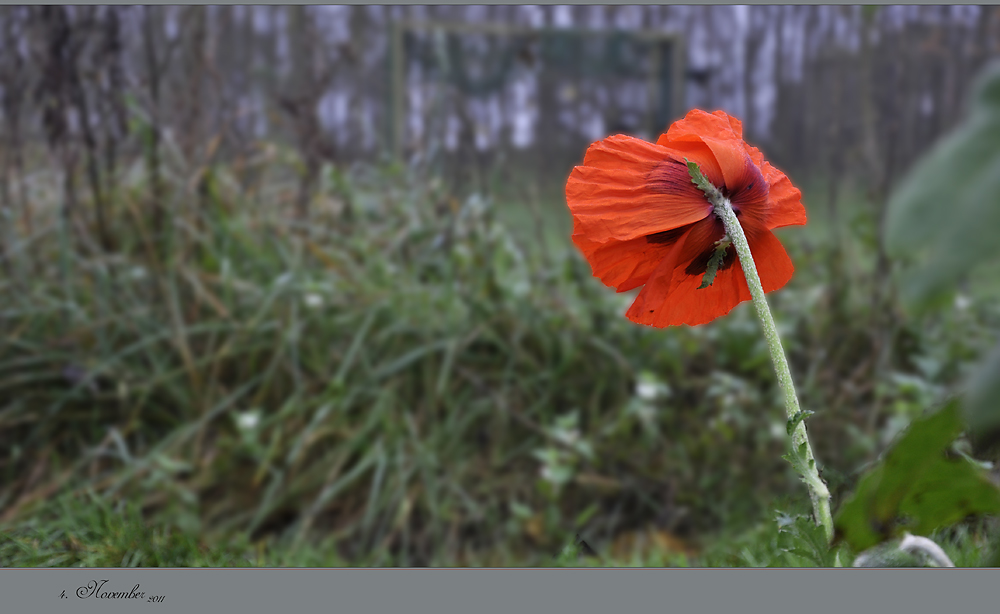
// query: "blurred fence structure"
[[831, 90], [589, 81]]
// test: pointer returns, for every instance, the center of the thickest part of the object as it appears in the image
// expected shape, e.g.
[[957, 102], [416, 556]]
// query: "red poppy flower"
[[639, 220]]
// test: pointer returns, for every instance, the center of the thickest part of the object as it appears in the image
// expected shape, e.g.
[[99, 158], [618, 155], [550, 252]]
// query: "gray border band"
[[442, 591]]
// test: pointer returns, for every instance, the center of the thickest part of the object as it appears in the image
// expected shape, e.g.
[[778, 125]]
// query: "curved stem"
[[914, 544], [801, 455]]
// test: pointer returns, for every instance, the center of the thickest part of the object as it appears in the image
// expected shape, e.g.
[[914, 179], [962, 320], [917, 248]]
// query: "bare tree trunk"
[[194, 67], [78, 98], [13, 103], [52, 96], [362, 31], [754, 42], [296, 102], [12, 74], [306, 88], [154, 67], [6, 202], [873, 160], [114, 114], [835, 174], [782, 105]]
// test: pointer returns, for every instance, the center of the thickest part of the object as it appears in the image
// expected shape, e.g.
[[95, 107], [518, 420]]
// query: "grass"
[[86, 531], [414, 378]]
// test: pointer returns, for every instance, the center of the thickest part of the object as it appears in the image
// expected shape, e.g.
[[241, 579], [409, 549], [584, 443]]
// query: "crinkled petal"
[[671, 297], [785, 200], [737, 164], [723, 136], [697, 124], [623, 265], [786, 208], [773, 264], [732, 158], [629, 188]]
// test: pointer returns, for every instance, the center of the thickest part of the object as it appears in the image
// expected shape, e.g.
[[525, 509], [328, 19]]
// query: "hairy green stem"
[[801, 456]]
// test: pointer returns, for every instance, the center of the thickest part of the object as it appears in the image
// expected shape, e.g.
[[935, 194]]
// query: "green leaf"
[[584, 517], [701, 181], [718, 256], [917, 486], [794, 420], [797, 457], [801, 536], [944, 217], [983, 401]]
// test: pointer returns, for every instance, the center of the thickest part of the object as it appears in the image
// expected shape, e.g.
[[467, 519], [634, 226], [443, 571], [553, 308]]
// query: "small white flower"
[[248, 420], [567, 436], [649, 388], [647, 391], [313, 300]]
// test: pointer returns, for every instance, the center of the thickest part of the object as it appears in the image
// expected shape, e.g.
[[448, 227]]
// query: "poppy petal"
[[774, 266], [785, 199], [755, 155], [628, 188], [626, 265], [701, 238], [732, 158], [697, 124], [623, 265], [698, 151], [716, 134], [723, 134], [690, 135], [652, 303], [671, 296]]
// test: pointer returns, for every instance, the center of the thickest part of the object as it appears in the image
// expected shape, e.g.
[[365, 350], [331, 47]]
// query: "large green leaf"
[[801, 536], [983, 404], [945, 216], [917, 487]]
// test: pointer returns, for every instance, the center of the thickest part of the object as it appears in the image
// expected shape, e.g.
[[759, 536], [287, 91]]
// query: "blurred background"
[[293, 285]]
